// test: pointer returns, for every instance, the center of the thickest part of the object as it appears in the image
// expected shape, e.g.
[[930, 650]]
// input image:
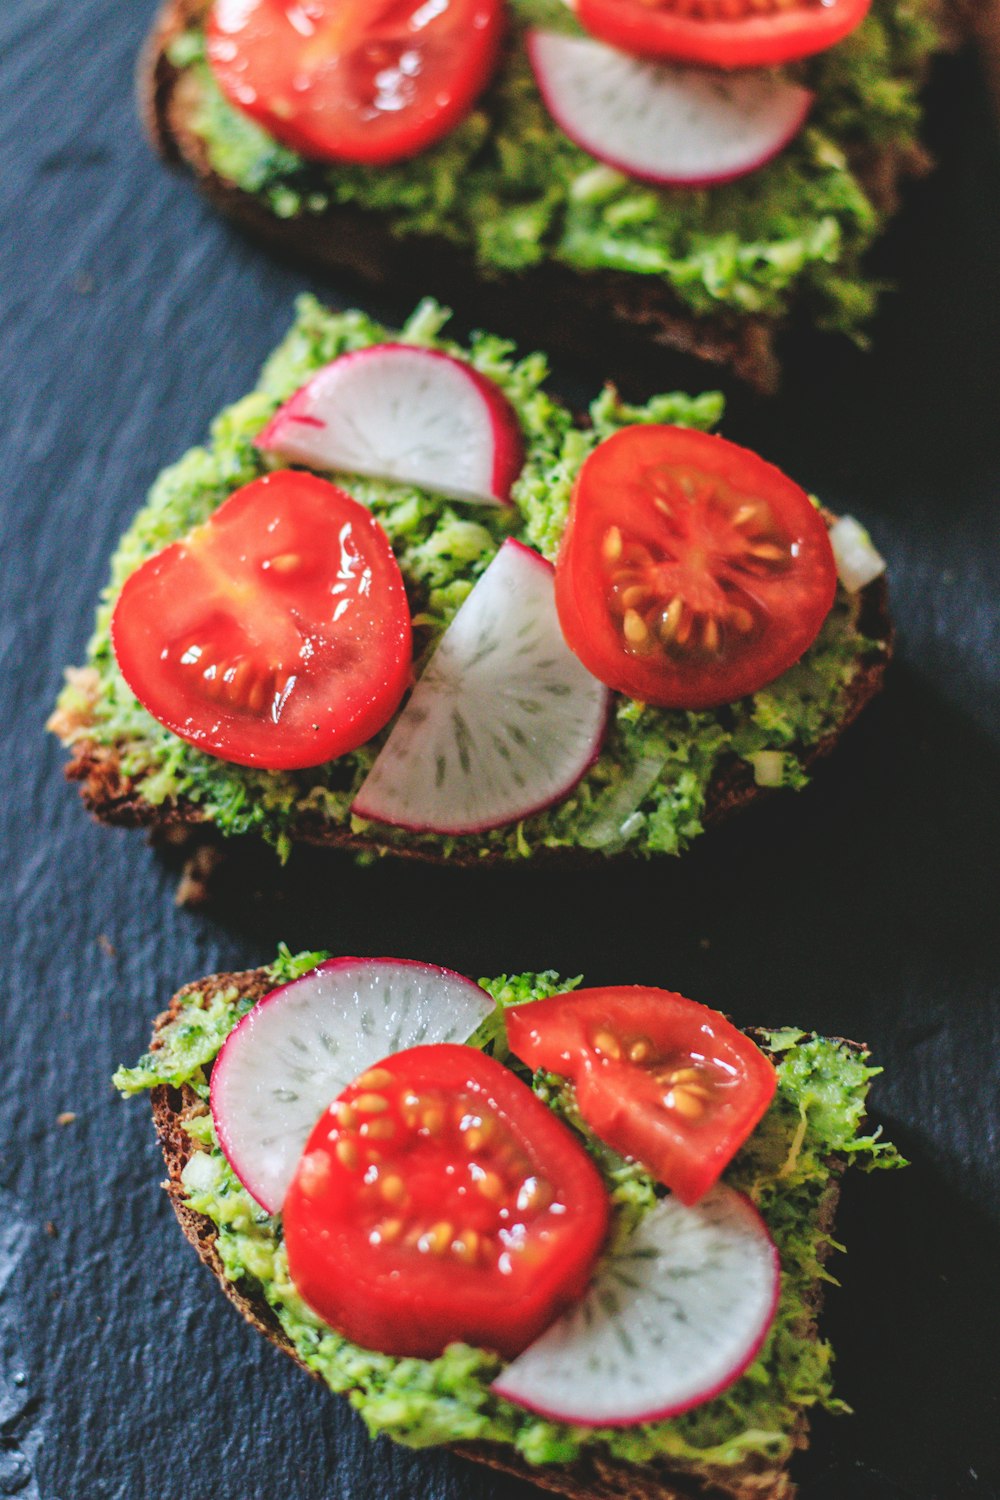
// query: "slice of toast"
[[591, 1478], [132, 773], [630, 317], [113, 798]]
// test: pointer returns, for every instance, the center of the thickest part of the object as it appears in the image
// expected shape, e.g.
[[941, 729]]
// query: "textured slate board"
[[865, 906]]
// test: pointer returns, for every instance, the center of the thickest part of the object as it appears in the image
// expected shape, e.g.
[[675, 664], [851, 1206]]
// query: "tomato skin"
[[277, 634], [686, 514], [683, 1107], [750, 41], [369, 81], [468, 1213]]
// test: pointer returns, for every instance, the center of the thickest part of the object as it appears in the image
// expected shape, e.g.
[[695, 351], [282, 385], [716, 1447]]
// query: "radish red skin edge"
[[372, 393], [439, 1200], [568, 1368], [664, 1080], [264, 1108]]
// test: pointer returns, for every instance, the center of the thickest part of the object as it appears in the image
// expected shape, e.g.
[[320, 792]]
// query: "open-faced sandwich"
[[602, 173], [576, 1234], [618, 631]]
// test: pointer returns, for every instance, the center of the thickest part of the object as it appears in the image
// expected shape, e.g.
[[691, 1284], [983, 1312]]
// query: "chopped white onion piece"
[[768, 767], [615, 820], [857, 561], [201, 1173]]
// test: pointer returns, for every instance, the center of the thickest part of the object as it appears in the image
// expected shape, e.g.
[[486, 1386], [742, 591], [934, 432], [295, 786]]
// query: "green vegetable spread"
[[784, 1167], [646, 791], [509, 186]]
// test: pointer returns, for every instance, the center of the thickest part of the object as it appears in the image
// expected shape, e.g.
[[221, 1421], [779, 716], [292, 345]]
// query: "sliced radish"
[[304, 1043], [503, 722], [661, 123], [673, 1317], [416, 416]]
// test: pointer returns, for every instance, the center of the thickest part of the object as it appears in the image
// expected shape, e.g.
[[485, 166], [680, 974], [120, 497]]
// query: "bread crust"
[[112, 797], [635, 320], [594, 1478]]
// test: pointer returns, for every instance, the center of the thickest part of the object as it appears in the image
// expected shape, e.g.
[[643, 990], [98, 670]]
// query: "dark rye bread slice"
[[113, 798], [568, 312], [593, 1478]]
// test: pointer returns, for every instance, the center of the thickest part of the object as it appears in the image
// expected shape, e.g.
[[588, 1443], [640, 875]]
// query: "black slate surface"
[[865, 906]]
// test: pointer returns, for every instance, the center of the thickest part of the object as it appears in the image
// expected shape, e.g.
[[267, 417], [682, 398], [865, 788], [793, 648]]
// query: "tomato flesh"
[[438, 1200], [354, 80], [277, 634], [722, 33], [660, 1078], [691, 572]]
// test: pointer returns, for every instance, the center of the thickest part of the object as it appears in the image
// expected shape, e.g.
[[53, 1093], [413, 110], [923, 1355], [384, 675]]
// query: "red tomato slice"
[[354, 80], [658, 1077], [691, 572], [277, 634], [438, 1200], [721, 33]]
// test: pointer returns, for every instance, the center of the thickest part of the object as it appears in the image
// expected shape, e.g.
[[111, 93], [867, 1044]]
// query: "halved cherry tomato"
[[721, 33], [354, 80], [277, 634], [438, 1200], [691, 572], [658, 1077]]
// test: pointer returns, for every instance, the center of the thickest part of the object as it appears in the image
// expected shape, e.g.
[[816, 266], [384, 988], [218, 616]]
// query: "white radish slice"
[[416, 416], [302, 1045], [858, 561], [505, 719], [672, 1318], [664, 123]]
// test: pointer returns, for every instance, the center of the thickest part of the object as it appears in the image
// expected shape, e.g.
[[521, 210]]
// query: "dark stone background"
[[866, 906]]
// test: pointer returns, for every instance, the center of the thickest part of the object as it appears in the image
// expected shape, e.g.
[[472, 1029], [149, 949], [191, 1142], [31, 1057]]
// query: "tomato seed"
[[767, 552], [387, 1231], [491, 1186], [685, 1102], [371, 1104], [671, 618], [436, 1239], [534, 1193], [634, 626], [685, 1075], [393, 1189], [607, 1042], [466, 1246], [285, 562], [376, 1078]]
